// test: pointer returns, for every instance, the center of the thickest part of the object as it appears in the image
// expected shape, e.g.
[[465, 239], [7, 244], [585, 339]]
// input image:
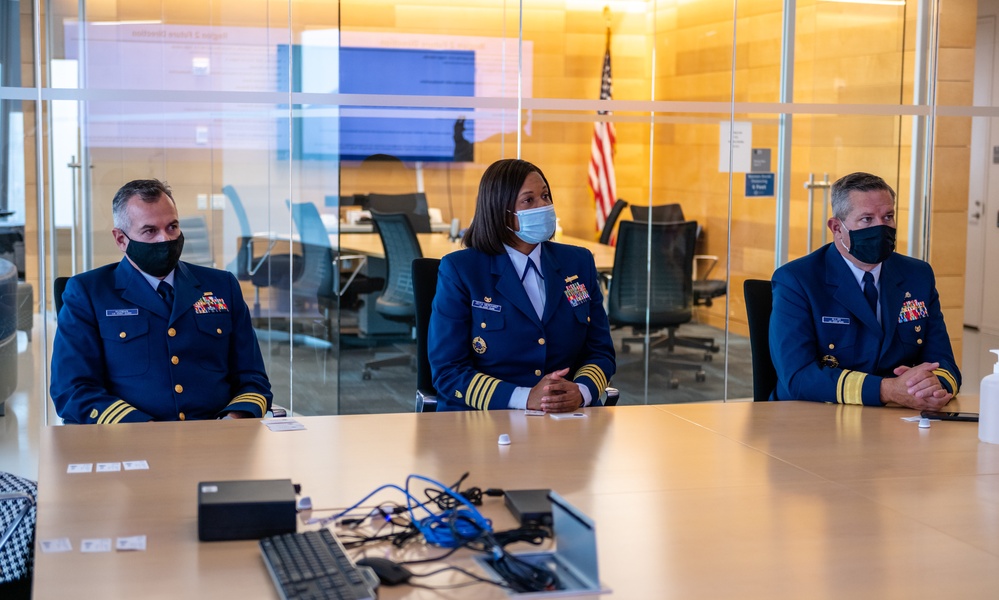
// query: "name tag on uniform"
[[486, 305], [122, 312], [836, 320]]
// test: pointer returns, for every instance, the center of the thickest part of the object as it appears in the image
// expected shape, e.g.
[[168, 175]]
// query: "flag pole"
[[600, 173]]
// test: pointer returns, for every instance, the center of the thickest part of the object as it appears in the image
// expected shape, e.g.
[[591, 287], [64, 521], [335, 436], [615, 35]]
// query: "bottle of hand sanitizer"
[[988, 409]]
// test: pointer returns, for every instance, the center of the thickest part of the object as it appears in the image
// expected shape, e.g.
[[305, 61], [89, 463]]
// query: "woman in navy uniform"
[[518, 321], [151, 338]]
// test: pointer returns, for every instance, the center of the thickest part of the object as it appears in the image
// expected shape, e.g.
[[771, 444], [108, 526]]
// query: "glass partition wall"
[[281, 125]]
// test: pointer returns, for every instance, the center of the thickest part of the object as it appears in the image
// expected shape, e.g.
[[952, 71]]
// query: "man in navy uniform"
[[856, 323], [151, 338]]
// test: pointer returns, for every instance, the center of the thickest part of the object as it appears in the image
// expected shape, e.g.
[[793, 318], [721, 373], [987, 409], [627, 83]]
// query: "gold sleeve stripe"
[[850, 387], [253, 398], [480, 391], [115, 413], [488, 398], [948, 377], [472, 393], [593, 372]]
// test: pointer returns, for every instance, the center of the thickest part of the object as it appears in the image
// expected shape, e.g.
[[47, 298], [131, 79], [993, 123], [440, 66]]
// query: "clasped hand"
[[554, 393], [916, 387]]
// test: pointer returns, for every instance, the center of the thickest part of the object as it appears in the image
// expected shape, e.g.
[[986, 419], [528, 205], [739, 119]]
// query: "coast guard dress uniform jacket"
[[826, 342], [486, 338], [120, 354]]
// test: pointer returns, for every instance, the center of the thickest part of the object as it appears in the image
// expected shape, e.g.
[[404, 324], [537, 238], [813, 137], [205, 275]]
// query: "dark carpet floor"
[[310, 384]]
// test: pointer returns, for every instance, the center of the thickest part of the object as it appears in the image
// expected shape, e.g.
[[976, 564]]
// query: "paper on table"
[[59, 545], [134, 542], [96, 545], [283, 424]]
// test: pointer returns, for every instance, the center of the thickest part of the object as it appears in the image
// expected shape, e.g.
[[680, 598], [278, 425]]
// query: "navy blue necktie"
[[532, 285], [871, 292], [165, 290]]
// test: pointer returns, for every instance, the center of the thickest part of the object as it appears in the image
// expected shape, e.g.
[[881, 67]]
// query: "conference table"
[[713, 500], [436, 245], [433, 245]]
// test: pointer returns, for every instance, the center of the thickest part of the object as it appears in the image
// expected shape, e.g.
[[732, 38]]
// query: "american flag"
[[601, 172]]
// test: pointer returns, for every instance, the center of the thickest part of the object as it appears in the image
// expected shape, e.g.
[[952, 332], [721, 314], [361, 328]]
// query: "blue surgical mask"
[[537, 224]]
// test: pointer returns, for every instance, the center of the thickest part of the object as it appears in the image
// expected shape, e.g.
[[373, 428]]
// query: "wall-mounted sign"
[[759, 185], [761, 160], [740, 134]]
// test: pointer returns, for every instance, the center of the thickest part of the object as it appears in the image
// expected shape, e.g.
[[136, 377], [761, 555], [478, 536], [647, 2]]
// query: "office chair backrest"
[[669, 282], [424, 289], [58, 287], [317, 254], [612, 217], [401, 247], [660, 213], [240, 267], [8, 331], [759, 304], [414, 206], [237, 207], [197, 241]]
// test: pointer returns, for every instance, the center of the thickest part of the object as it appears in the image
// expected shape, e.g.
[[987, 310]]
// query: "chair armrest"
[[362, 259], [711, 259], [251, 268], [611, 396], [425, 402]]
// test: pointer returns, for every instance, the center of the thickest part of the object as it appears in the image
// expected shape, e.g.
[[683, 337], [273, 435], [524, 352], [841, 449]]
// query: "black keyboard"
[[314, 564]]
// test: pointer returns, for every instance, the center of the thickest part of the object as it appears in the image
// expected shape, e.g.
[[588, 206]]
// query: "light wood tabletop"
[[737, 500], [434, 245]]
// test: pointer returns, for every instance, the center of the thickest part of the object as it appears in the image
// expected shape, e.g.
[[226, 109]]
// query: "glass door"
[[850, 58]]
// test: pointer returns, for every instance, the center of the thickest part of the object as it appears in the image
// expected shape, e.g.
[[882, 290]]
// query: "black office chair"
[[759, 304], [8, 331], [608, 231], [705, 290], [323, 288], [668, 284], [660, 213], [396, 301], [58, 287], [424, 289], [18, 508], [197, 241], [266, 270], [414, 206]]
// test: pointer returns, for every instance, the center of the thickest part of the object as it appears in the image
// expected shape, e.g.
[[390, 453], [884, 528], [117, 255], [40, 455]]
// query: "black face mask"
[[872, 245], [156, 259]]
